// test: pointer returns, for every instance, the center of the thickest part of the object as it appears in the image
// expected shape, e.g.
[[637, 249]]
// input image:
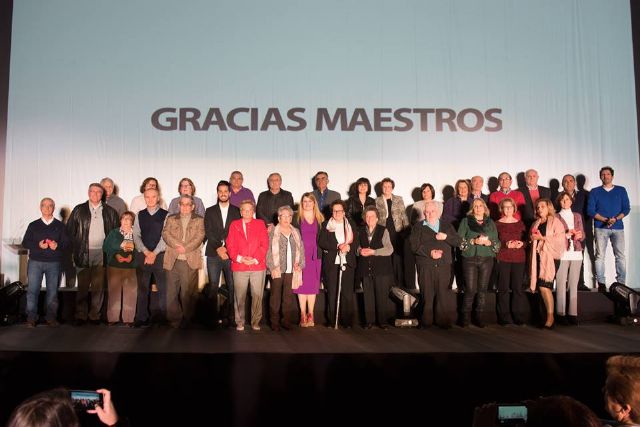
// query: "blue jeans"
[[52, 271], [216, 265], [603, 235]]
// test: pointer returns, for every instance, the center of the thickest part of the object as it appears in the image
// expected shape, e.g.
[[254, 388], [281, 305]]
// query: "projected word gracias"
[[340, 119]]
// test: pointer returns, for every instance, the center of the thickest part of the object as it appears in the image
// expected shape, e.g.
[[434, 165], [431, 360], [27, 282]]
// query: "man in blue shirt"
[[608, 205]]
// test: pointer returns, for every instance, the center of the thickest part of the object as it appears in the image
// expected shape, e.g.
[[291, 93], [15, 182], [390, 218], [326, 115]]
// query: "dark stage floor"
[[590, 337], [307, 377]]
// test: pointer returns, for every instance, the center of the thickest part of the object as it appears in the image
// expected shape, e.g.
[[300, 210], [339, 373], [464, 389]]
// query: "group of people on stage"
[[514, 236]]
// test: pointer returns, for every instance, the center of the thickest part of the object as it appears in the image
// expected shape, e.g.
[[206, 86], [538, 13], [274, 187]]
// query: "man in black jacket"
[[269, 201], [89, 223], [532, 192], [216, 226], [432, 242]]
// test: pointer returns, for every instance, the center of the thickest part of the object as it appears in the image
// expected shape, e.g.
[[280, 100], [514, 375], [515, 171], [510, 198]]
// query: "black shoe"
[[504, 322], [275, 328], [141, 324], [583, 287], [79, 322], [464, 322], [384, 326], [95, 322], [602, 288], [445, 326], [562, 320], [479, 323], [572, 320]]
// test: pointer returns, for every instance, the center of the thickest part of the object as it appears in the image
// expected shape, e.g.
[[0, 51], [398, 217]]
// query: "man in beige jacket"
[[183, 234]]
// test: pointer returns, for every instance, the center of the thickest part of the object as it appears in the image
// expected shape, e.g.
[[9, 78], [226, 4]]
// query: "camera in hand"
[[85, 399]]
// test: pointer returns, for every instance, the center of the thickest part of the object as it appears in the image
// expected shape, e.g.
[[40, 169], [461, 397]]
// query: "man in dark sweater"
[[45, 238], [150, 247]]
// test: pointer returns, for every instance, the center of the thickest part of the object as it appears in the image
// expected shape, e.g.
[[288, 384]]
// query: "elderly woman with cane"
[[339, 247]]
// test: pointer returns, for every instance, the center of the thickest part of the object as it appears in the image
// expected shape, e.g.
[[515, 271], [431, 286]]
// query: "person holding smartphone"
[[56, 408]]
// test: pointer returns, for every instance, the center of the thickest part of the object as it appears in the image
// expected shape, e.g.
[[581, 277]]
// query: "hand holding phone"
[[84, 400], [106, 412]]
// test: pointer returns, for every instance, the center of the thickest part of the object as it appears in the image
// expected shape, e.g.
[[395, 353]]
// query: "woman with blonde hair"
[[548, 243], [308, 220], [479, 247]]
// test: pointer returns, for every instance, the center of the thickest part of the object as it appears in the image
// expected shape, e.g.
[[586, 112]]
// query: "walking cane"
[[343, 267]]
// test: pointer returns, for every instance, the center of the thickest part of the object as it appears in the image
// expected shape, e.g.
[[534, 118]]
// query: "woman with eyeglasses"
[[339, 245]]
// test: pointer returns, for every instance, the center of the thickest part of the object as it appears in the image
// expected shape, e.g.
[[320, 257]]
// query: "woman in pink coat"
[[548, 243]]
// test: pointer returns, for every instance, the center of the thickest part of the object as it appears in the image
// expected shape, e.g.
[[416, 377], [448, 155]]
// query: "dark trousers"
[[144, 272], [376, 299], [215, 266], [434, 286], [510, 277], [477, 272], [346, 294], [90, 278], [281, 296], [182, 283]]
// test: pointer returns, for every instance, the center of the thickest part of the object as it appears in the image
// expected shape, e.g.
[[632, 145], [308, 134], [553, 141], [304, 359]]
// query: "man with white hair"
[[112, 198], [46, 239], [431, 242], [532, 192]]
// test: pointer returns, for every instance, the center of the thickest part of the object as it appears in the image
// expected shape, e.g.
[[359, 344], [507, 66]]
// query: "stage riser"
[[592, 306]]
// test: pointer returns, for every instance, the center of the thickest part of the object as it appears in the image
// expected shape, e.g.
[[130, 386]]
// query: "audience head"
[[622, 389], [51, 408]]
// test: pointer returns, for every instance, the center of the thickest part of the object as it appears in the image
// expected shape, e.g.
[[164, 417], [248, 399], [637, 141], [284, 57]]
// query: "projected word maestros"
[[340, 119]]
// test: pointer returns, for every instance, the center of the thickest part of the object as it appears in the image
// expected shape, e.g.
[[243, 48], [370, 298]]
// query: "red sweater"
[[497, 196], [255, 244]]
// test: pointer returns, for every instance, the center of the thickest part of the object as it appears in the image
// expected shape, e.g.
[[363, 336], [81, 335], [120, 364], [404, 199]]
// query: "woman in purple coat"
[[308, 221]]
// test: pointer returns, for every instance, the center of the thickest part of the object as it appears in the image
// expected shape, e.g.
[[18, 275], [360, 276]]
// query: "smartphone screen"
[[85, 399], [512, 414]]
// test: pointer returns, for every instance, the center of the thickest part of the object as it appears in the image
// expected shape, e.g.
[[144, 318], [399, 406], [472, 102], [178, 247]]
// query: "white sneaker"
[[240, 328], [255, 328]]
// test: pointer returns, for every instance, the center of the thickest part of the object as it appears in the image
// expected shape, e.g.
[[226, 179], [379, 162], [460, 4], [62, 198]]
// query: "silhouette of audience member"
[[54, 408], [552, 411], [622, 390]]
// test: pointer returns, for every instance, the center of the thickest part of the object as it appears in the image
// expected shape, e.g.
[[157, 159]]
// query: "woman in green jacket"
[[480, 244], [121, 271]]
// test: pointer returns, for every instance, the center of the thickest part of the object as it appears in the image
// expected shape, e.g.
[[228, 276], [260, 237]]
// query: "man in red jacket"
[[247, 245]]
